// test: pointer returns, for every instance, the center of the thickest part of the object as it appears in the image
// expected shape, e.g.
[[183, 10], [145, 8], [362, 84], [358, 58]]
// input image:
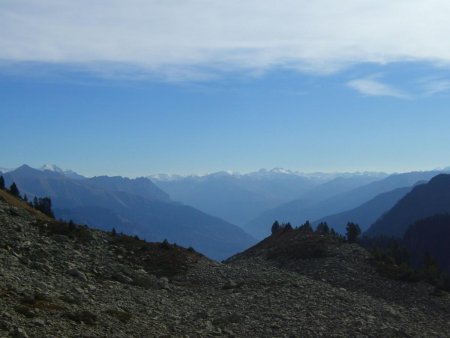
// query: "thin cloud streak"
[[192, 39], [436, 86], [373, 87]]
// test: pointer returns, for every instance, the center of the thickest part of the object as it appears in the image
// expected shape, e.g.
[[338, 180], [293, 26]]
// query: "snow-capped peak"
[[52, 167]]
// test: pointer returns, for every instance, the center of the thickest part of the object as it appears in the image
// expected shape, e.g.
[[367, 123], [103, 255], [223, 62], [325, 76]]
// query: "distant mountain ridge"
[[367, 213], [264, 173], [135, 206], [305, 208], [239, 198], [55, 168], [423, 201]]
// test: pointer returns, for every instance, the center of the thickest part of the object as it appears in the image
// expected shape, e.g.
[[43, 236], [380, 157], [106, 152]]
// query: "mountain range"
[[239, 198], [424, 200], [67, 173], [133, 206], [365, 214], [315, 208], [196, 210]]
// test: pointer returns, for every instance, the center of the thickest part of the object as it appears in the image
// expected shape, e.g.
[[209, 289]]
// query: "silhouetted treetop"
[[14, 190], [353, 232]]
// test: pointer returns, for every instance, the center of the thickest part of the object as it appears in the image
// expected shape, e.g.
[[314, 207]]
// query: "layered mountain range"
[[423, 201], [325, 204], [201, 211], [133, 206], [239, 198]]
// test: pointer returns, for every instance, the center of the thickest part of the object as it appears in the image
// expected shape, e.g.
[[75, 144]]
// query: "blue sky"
[[178, 100]]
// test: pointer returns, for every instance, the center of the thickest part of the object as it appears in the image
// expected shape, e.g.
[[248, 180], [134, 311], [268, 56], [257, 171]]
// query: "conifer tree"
[[2, 182], [275, 227], [323, 228], [44, 205], [353, 232], [14, 190], [287, 226], [306, 226]]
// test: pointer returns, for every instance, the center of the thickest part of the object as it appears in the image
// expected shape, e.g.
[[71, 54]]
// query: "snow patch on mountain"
[[54, 168]]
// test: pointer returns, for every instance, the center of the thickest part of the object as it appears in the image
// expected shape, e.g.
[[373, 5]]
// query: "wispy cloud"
[[373, 87], [435, 86], [179, 39]]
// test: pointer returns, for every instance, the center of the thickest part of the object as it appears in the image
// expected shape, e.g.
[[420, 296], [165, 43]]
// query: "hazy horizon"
[[5, 168]]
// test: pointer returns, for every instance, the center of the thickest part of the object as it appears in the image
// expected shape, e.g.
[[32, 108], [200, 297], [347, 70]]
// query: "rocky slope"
[[61, 280]]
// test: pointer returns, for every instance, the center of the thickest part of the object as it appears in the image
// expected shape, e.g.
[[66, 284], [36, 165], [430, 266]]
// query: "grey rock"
[[230, 285], [38, 321], [121, 278], [163, 283], [18, 332], [60, 238], [5, 325], [77, 274]]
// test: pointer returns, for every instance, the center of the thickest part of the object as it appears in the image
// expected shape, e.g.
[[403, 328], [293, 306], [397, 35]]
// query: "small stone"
[[6, 315], [28, 299], [19, 333], [228, 331], [209, 326], [38, 321], [230, 285], [78, 290], [60, 238], [4, 325], [163, 283], [121, 278], [77, 274]]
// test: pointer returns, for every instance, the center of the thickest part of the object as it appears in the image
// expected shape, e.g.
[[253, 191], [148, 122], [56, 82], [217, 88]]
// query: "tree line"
[[43, 204], [353, 230]]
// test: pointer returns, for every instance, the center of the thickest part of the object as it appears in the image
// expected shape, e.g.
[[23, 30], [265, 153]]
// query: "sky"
[[193, 86]]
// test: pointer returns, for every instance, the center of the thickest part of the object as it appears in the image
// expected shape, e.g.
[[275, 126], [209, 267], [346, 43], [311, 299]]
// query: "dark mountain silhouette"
[[134, 207], [367, 213], [423, 201], [302, 209], [430, 235]]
